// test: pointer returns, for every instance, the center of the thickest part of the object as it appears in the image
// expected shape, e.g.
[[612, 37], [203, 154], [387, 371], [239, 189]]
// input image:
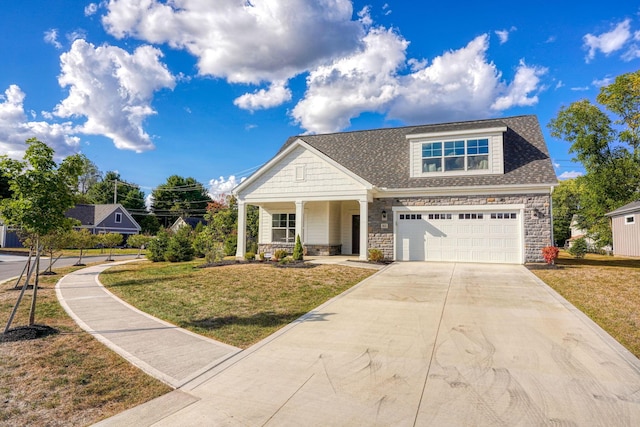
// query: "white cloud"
[[364, 81], [221, 186], [458, 85], [90, 9], [569, 175], [503, 35], [113, 90], [248, 42], [277, 94], [51, 37], [16, 128], [608, 42], [602, 82], [580, 88], [526, 80]]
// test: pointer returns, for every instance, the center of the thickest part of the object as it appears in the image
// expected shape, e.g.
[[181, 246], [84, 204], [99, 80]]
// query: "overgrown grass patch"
[[236, 304], [64, 379], [605, 288]]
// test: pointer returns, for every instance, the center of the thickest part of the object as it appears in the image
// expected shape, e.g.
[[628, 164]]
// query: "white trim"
[[459, 208], [466, 132], [298, 143], [325, 197], [464, 190]]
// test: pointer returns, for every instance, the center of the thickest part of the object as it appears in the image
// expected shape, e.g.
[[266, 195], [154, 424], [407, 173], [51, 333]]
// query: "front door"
[[355, 234]]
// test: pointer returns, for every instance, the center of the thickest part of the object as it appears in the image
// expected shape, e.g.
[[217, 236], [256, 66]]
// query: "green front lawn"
[[237, 304]]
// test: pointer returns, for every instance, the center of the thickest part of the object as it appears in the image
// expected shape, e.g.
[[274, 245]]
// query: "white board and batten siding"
[[473, 234], [303, 174]]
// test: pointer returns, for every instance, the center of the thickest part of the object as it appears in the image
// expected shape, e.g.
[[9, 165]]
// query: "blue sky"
[[212, 89]]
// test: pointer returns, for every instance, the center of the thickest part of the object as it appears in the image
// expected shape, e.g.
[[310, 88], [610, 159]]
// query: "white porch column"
[[299, 219], [364, 230], [242, 230]]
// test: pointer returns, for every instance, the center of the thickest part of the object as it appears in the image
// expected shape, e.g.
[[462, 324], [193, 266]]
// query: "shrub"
[[297, 250], [550, 254], [279, 254], [158, 246], [262, 256], [579, 248], [180, 246], [375, 255], [249, 256], [215, 253], [230, 245]]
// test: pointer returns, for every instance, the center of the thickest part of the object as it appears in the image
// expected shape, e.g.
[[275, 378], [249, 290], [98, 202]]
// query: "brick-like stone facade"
[[537, 218], [317, 250]]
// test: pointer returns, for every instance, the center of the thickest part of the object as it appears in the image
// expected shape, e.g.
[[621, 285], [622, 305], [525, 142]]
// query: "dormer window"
[[471, 151], [462, 155]]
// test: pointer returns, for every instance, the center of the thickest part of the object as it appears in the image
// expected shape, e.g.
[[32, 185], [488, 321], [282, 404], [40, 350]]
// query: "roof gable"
[[626, 209]]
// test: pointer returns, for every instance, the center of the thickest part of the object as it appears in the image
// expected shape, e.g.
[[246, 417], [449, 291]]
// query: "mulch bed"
[[289, 264], [24, 333]]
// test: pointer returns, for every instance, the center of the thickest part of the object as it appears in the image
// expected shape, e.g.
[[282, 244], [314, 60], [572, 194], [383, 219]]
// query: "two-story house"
[[475, 191]]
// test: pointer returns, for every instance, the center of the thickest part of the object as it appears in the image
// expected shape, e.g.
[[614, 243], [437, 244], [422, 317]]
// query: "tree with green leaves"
[[177, 197], [88, 178], [54, 242], [609, 150], [112, 188], [566, 202], [138, 241], [110, 241], [83, 240], [42, 191]]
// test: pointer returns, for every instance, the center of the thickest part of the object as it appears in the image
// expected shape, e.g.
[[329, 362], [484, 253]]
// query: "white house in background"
[[578, 233], [475, 191], [625, 226]]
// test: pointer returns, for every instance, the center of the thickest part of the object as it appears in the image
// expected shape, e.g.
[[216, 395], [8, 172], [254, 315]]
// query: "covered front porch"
[[325, 227]]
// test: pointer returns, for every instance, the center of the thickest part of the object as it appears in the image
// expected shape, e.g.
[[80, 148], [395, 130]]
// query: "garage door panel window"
[[499, 215]]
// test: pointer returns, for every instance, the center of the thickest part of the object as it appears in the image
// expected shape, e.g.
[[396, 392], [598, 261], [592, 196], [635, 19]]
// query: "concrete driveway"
[[426, 344]]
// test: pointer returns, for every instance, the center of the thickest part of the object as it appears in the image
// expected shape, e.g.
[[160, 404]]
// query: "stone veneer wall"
[[317, 250], [537, 218]]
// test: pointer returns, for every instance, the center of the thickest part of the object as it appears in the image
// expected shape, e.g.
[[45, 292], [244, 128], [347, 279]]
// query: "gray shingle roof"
[[381, 156], [628, 208]]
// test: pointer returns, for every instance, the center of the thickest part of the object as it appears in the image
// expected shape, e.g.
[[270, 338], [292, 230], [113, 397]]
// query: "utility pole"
[[115, 192]]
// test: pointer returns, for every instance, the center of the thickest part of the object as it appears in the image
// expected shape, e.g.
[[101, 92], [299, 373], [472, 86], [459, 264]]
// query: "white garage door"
[[493, 236]]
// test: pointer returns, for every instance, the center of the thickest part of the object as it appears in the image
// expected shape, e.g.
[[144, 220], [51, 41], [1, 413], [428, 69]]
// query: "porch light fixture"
[[384, 215]]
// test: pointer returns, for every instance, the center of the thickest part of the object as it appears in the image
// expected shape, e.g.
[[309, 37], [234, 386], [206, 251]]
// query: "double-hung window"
[[460, 155], [283, 228]]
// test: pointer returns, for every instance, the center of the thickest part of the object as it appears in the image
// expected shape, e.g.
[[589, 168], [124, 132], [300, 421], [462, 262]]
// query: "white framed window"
[[629, 219], [457, 155], [118, 217], [283, 228]]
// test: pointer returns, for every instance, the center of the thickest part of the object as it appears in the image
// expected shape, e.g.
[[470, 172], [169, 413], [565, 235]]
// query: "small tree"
[[41, 192], [579, 248], [138, 241], [297, 250], [158, 246], [83, 240], [110, 240], [54, 242], [180, 246]]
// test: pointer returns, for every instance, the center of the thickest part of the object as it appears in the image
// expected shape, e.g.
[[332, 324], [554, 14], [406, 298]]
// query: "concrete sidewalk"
[[163, 350], [419, 344]]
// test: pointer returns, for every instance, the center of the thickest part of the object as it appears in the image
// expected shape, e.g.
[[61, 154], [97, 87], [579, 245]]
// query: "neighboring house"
[[186, 221], [625, 227], [100, 219], [579, 233], [476, 191], [9, 237]]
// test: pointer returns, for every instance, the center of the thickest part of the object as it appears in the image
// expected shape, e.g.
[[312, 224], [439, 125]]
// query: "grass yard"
[[605, 288], [64, 379], [237, 304]]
